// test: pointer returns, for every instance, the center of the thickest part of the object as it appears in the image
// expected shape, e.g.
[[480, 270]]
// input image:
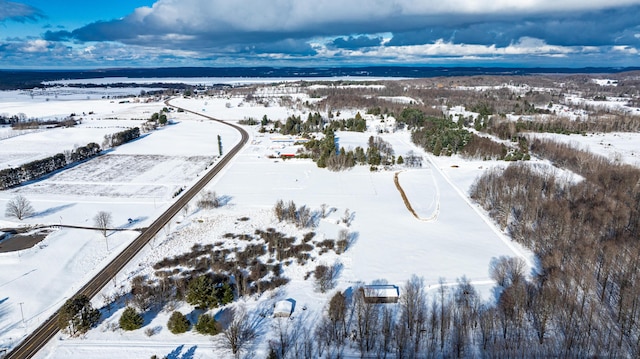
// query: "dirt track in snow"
[[396, 181]]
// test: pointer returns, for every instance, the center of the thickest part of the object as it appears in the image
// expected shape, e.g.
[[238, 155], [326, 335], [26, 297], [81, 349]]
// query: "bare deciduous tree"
[[287, 337], [279, 210], [413, 311], [239, 333], [185, 209], [19, 207], [304, 218], [347, 218], [507, 270], [344, 241], [337, 315], [326, 276], [209, 200], [323, 210], [103, 220], [366, 322]]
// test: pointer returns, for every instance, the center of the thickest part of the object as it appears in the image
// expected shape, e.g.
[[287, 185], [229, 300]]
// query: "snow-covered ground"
[[611, 103], [400, 99], [134, 181], [616, 146], [452, 238]]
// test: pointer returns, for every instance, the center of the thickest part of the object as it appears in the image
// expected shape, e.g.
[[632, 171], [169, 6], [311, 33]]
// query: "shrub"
[[131, 319], [325, 277], [178, 323], [309, 236], [151, 331], [207, 325]]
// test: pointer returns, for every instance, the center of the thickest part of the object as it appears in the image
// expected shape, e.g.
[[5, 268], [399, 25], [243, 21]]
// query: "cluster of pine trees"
[[326, 154], [294, 125], [440, 136]]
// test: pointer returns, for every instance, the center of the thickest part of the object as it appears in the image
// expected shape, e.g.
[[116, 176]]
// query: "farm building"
[[382, 293]]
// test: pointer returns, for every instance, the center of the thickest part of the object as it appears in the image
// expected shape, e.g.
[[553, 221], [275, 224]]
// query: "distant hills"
[[23, 79]]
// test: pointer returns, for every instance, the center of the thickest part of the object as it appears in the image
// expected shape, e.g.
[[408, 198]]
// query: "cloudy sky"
[[162, 33]]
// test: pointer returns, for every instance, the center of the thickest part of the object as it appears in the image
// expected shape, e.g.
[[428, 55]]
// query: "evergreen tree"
[[201, 293], [131, 319], [227, 296], [178, 323], [207, 325], [162, 120], [77, 315]]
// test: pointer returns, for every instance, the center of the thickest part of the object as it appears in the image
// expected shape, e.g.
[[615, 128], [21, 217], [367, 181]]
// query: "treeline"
[[21, 122], [443, 136], [506, 129], [122, 137], [34, 170], [11, 177], [450, 322], [585, 234], [35, 123]]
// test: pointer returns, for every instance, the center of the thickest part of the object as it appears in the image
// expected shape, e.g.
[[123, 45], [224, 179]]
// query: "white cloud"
[[36, 46], [249, 31], [442, 48], [295, 15], [530, 46], [626, 49], [525, 51]]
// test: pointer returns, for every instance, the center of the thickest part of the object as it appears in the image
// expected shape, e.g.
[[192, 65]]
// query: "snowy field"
[[451, 238]]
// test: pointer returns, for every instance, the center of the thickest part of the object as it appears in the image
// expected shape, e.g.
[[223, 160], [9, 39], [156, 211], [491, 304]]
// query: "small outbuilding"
[[381, 293], [283, 308]]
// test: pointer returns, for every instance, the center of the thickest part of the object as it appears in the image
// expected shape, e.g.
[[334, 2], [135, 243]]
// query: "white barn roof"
[[283, 308], [381, 291]]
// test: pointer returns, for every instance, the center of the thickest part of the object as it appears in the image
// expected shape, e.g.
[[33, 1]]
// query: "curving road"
[[47, 330]]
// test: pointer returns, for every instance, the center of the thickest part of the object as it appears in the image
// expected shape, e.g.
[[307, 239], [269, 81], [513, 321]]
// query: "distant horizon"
[[564, 69], [30, 78]]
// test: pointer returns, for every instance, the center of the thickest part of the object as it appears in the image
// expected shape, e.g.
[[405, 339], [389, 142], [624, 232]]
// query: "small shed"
[[381, 293], [283, 308]]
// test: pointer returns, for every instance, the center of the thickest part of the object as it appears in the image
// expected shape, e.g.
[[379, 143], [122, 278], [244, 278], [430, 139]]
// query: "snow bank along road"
[[47, 330]]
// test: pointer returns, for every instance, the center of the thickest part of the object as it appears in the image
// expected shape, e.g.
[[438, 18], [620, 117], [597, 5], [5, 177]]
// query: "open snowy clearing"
[[390, 244]]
